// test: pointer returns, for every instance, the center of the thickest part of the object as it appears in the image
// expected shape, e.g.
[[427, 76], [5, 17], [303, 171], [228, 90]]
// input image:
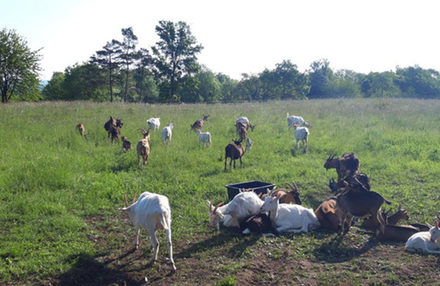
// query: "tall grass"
[[53, 182]]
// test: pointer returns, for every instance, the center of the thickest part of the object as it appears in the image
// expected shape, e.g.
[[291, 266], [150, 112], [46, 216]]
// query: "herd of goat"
[[280, 210]]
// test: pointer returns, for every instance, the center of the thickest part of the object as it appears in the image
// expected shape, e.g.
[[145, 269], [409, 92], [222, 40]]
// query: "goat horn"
[[134, 197], [125, 200], [217, 206], [296, 187]]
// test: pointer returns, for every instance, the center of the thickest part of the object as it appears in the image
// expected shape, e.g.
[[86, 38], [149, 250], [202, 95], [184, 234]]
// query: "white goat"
[[301, 134], [296, 120], [167, 133], [242, 206], [151, 211], [289, 218], [204, 137], [153, 123], [425, 241]]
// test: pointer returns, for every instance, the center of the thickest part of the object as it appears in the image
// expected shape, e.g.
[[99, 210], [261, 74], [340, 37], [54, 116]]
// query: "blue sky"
[[239, 36]]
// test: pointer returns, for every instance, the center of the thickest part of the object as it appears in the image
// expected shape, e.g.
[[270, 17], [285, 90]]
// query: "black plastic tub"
[[257, 186]]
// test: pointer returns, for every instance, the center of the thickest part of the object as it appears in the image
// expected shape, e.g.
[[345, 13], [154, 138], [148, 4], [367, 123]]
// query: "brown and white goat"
[[241, 130], [126, 145], [328, 214], [288, 196], [346, 166], [81, 129], [236, 151], [143, 147], [198, 124]]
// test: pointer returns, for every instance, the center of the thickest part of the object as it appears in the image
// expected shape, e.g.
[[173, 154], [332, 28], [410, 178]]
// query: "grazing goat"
[[153, 123], [289, 218], [293, 120], [346, 166], [81, 129], [167, 133], [425, 241], [259, 223], [242, 206], [244, 121], [328, 214], [198, 124], [236, 151], [359, 203], [288, 196], [204, 137], [301, 134], [241, 130], [153, 212], [143, 147], [126, 145]]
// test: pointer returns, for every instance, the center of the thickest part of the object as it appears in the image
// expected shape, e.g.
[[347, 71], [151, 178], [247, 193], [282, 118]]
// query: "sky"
[[239, 36]]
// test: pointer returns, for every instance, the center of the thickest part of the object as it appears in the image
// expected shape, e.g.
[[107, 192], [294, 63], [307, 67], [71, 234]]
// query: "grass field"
[[59, 222]]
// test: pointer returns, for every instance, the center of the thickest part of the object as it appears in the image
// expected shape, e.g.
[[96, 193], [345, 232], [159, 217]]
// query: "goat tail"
[[387, 202]]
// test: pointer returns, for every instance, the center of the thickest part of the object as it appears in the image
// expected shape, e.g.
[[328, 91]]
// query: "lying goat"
[[400, 214], [242, 206], [259, 223], [291, 196], [425, 241], [153, 212], [289, 218], [328, 214], [236, 151]]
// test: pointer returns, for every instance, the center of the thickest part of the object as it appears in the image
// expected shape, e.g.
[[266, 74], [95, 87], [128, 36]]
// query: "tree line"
[[170, 72]]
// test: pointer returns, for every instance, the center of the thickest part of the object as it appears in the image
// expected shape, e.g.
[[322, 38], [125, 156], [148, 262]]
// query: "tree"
[[143, 77], [418, 82], [19, 67], [321, 76], [54, 88], [107, 59], [84, 82], [128, 54], [175, 55], [380, 85]]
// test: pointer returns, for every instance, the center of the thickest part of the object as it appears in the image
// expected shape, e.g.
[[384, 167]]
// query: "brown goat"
[[360, 203], [400, 214], [113, 128], [198, 124], [126, 145], [328, 214], [346, 166], [81, 129], [143, 147], [290, 196], [241, 130], [236, 151], [396, 233], [360, 179]]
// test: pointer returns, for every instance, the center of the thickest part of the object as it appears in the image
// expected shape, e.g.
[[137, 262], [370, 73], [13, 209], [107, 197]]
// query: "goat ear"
[[279, 195], [220, 204]]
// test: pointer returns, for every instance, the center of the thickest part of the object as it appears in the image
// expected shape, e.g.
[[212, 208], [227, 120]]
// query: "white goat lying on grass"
[[151, 211], [296, 120], [425, 241], [289, 217], [242, 206]]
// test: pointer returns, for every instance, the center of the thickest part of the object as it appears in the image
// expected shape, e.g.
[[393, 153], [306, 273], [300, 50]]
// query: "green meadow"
[[60, 192]]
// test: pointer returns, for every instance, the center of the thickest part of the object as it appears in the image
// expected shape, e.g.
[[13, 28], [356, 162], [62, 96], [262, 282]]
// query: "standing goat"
[[241, 130], [81, 129], [244, 121], [153, 123], [167, 133], [425, 241], [296, 120], [198, 124], [126, 145], [153, 212], [289, 218], [302, 134], [204, 137], [143, 147], [346, 166], [236, 151], [243, 205]]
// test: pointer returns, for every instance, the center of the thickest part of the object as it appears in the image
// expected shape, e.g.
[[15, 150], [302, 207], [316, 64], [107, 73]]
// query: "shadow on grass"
[[334, 252], [224, 237], [88, 271]]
